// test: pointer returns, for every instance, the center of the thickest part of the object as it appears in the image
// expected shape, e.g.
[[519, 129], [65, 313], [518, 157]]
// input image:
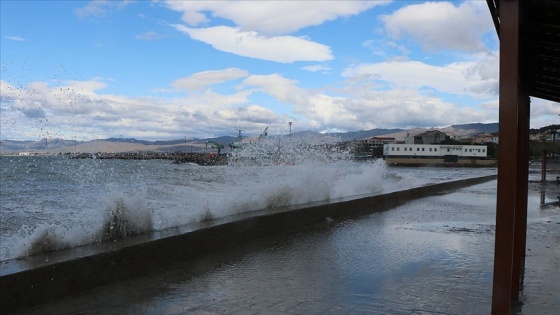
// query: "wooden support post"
[[508, 159], [543, 165], [520, 225]]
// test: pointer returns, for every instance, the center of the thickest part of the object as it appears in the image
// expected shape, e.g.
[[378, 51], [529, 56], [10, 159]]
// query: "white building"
[[435, 150]]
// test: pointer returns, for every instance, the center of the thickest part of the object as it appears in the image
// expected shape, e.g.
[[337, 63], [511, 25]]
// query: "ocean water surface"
[[48, 203]]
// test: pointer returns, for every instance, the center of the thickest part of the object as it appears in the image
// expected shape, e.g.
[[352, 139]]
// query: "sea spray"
[[124, 220], [70, 204], [205, 214], [93, 201], [281, 198], [125, 217], [366, 178], [295, 150], [45, 239]]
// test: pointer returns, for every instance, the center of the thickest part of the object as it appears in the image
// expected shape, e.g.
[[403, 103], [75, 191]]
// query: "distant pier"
[[177, 157]]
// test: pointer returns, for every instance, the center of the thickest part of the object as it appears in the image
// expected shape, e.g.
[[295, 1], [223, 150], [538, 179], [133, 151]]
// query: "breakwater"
[[36, 279], [176, 157]]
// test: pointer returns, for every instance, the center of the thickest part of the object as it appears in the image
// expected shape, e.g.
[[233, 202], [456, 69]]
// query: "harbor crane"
[[216, 145], [264, 133]]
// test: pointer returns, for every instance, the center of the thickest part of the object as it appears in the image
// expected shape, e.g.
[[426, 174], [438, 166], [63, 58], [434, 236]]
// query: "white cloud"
[[79, 110], [151, 35], [211, 101], [316, 107], [212, 114], [441, 25], [403, 108], [31, 109], [258, 25], [285, 90], [8, 91], [251, 113], [385, 48], [269, 17], [544, 107], [544, 113], [100, 8], [365, 108], [284, 49], [331, 112], [477, 79], [16, 38], [317, 68], [201, 80]]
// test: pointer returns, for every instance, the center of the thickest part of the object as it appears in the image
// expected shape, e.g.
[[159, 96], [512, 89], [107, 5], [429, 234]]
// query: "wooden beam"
[[493, 7], [543, 165], [520, 225], [507, 158], [523, 123]]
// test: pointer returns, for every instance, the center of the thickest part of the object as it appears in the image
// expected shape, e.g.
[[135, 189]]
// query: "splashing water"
[[301, 150], [50, 203]]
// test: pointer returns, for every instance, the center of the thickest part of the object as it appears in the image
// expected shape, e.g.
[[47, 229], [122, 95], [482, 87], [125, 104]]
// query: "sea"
[[58, 202]]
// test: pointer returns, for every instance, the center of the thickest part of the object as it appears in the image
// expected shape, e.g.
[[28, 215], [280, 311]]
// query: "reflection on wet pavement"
[[429, 256]]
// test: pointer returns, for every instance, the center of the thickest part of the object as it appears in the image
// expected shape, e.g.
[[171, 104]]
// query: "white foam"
[[156, 195]]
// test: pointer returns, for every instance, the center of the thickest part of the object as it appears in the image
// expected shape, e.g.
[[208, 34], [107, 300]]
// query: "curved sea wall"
[[37, 279], [404, 161]]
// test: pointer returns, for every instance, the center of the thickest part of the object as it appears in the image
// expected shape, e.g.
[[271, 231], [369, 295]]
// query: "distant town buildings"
[[485, 138], [369, 144], [481, 138], [432, 147], [549, 136], [430, 137]]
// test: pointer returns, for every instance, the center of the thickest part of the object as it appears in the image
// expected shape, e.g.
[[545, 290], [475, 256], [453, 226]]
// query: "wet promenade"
[[429, 256]]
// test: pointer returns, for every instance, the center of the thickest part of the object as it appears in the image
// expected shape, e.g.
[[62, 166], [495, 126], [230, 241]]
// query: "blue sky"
[[168, 69]]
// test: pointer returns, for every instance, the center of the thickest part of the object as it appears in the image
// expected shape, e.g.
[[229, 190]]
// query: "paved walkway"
[[429, 256]]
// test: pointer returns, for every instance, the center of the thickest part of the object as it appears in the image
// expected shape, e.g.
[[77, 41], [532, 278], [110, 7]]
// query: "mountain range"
[[128, 144]]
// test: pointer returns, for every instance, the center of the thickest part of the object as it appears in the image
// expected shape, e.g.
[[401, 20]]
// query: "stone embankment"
[[177, 158]]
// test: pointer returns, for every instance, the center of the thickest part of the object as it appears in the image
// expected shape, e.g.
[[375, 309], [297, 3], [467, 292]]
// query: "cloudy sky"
[[170, 69]]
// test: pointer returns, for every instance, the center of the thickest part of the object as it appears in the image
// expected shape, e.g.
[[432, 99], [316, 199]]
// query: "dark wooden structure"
[[529, 32]]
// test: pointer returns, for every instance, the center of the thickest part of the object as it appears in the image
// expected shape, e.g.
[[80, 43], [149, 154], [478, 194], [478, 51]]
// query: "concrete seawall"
[[404, 161], [37, 279]]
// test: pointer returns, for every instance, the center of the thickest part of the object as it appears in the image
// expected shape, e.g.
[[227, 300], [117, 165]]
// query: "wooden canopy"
[[540, 42], [529, 32]]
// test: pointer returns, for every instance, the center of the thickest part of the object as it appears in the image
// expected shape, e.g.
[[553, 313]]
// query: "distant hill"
[[471, 129], [401, 134], [362, 134], [194, 144], [544, 129], [20, 146], [478, 127], [224, 140], [128, 140]]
